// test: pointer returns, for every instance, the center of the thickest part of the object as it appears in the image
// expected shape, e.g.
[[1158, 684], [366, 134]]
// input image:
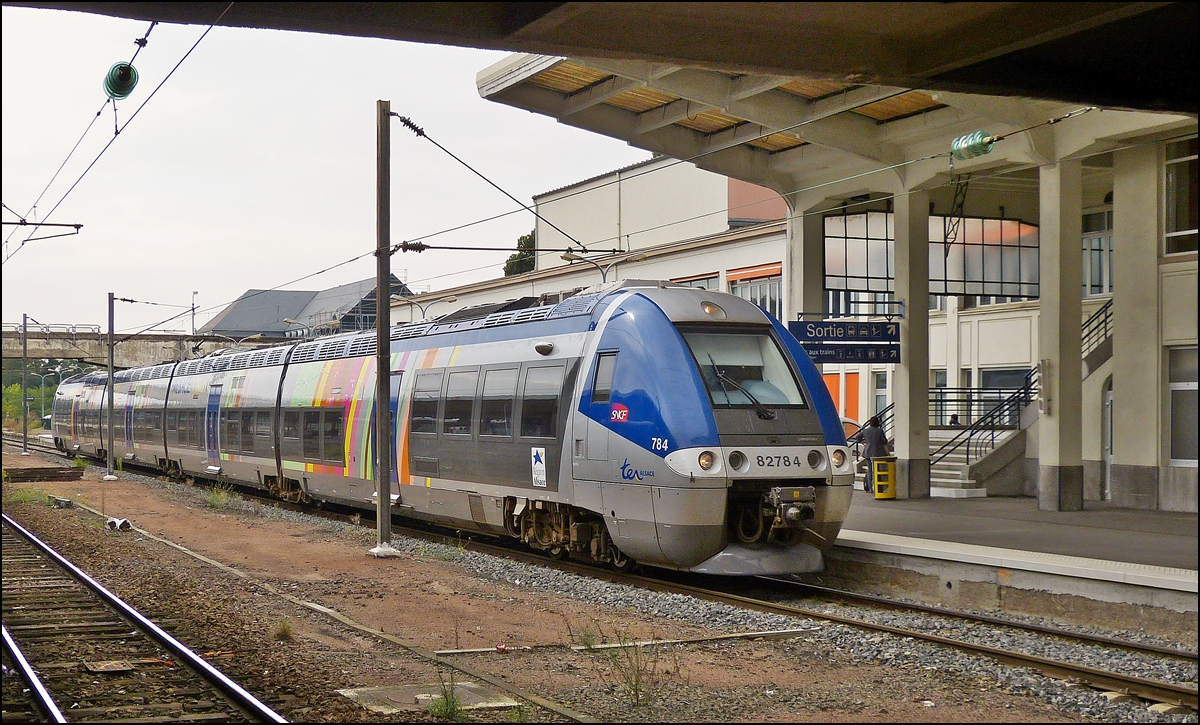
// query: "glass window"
[[262, 428], [233, 431], [334, 444], [539, 403], [764, 292], [880, 392], [1183, 388], [712, 283], [1009, 379], [312, 434], [172, 420], [248, 430], [496, 412], [425, 402], [739, 369], [1180, 197], [289, 446], [1097, 253], [602, 386], [460, 399]]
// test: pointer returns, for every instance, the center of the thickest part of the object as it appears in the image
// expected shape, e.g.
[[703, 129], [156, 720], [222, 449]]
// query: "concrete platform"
[[1100, 565], [1100, 532]]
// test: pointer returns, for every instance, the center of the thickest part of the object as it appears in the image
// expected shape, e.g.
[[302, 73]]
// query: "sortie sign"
[[845, 332]]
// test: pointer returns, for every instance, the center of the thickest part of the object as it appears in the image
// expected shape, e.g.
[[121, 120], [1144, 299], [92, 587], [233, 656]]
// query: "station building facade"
[[1000, 260]]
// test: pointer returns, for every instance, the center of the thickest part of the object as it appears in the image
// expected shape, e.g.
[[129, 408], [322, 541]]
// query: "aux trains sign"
[[848, 342]]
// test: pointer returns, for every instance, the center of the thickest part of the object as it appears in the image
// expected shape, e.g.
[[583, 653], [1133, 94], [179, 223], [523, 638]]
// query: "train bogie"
[[637, 421]]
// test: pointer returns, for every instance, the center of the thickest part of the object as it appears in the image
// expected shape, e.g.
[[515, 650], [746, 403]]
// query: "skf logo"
[[619, 413]]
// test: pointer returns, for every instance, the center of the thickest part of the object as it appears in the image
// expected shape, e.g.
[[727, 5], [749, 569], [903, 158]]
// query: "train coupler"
[[793, 505]]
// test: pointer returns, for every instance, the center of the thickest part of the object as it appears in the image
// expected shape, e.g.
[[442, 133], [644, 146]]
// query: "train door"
[[597, 431], [212, 423], [128, 413], [590, 455]]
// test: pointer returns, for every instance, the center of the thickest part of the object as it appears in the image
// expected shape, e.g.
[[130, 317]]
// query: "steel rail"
[[1166, 692], [238, 695], [1147, 689], [989, 619], [40, 695]]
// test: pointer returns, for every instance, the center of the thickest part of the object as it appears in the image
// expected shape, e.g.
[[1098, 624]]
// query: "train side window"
[[262, 431], [290, 446], [496, 412], [460, 401], [425, 402], [232, 435], [602, 386], [334, 444], [539, 402], [197, 429], [312, 434], [248, 430], [172, 422]]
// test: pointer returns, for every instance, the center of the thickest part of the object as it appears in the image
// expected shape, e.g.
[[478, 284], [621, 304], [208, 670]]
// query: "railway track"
[[1164, 692], [87, 655]]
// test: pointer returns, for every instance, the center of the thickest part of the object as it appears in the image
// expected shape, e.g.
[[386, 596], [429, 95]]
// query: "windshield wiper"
[[763, 412]]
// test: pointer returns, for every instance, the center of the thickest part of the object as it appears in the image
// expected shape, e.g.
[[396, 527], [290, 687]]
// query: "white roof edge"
[[513, 70]]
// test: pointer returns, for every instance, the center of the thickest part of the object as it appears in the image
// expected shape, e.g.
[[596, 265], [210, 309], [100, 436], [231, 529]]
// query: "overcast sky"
[[253, 165]]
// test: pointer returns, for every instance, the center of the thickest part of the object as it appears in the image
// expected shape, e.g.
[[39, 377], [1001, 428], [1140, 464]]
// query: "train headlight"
[[838, 457], [815, 459], [737, 459], [712, 309], [706, 460]]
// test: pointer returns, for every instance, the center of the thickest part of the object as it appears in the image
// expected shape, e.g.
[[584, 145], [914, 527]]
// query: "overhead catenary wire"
[[886, 197], [140, 43], [420, 133], [123, 126]]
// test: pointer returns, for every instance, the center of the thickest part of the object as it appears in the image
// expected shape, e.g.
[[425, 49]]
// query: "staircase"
[[998, 415], [947, 476]]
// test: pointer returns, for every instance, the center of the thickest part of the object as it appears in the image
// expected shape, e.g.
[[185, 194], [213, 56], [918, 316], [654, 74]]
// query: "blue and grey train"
[[637, 421]]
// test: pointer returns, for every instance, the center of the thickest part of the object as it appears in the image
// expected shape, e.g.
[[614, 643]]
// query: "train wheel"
[[559, 553], [621, 562]]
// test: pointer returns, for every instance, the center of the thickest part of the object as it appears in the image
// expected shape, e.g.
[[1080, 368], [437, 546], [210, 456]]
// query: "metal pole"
[[24, 386], [383, 324], [109, 444], [194, 293]]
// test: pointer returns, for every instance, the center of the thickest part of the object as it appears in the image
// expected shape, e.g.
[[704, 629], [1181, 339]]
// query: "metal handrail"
[[1098, 328], [980, 436], [967, 403]]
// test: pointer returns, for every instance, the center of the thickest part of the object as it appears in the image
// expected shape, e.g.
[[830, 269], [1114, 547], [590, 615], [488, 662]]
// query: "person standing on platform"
[[954, 420], [875, 445]]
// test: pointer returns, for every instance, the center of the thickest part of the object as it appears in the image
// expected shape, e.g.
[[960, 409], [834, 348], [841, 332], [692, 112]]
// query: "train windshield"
[[743, 369]]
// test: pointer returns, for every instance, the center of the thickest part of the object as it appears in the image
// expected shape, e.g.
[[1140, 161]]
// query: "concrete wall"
[[658, 202]]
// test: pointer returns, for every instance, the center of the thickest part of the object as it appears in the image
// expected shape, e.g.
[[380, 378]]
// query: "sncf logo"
[[619, 413]]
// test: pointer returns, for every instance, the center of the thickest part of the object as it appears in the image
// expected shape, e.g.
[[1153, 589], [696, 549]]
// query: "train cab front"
[[789, 479], [705, 427]]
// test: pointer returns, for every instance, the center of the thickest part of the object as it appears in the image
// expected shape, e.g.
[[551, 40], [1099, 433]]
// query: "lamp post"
[[307, 328], [194, 293], [427, 305], [42, 388], [573, 257]]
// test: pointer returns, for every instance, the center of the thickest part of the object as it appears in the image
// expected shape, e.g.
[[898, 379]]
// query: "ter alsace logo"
[[619, 413]]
